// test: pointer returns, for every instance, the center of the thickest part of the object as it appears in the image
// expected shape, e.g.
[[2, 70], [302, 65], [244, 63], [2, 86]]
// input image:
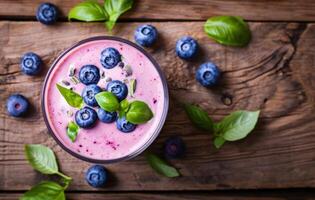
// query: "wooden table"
[[274, 74]]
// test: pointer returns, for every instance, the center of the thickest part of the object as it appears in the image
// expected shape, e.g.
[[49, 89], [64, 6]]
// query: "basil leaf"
[[45, 190], [72, 98], [124, 105], [161, 167], [115, 8], [72, 131], [199, 117], [228, 30], [237, 125], [139, 113], [41, 158], [88, 11], [218, 142], [107, 101]]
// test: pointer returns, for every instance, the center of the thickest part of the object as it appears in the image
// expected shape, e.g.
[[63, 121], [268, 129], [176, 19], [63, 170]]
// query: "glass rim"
[[161, 121]]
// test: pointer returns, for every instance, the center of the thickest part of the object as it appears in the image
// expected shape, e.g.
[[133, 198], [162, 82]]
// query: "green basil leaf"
[[88, 11], [199, 117], [228, 30], [161, 167], [139, 112], [72, 131], [45, 190], [237, 125], [107, 101], [218, 142], [72, 98], [41, 158], [124, 105], [115, 8]]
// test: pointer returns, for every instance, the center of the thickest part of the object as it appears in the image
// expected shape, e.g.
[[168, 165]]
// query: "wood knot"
[[227, 99]]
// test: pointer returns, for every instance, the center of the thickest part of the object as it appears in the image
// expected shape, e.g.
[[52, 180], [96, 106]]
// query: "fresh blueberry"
[[146, 35], [47, 13], [88, 94], [110, 57], [17, 105], [89, 74], [85, 117], [105, 116], [186, 47], [118, 88], [30, 64], [96, 176], [174, 147], [208, 74], [125, 126]]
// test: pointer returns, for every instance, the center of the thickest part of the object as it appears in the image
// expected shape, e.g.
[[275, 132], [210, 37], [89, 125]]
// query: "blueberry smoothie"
[[105, 100]]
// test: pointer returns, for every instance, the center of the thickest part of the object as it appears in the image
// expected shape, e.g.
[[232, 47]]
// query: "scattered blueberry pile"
[[186, 48], [89, 75]]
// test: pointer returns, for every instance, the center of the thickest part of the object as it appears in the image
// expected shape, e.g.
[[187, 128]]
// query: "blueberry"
[[118, 88], [47, 13], [145, 35], [85, 117], [17, 105], [89, 74], [105, 116], [31, 64], [186, 47], [174, 147], [125, 126], [110, 57], [208, 74], [96, 176], [88, 94]]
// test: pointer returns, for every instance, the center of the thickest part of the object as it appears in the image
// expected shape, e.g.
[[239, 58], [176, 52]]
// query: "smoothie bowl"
[[105, 100]]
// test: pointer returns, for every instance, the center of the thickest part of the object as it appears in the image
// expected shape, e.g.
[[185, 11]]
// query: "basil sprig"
[[47, 190], [235, 126], [72, 98], [136, 112], [199, 117], [88, 11], [115, 8], [91, 10], [228, 30], [161, 167], [72, 131], [43, 160]]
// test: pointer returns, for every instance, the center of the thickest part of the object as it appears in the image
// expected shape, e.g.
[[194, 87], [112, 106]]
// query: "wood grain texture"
[[259, 10], [275, 73], [178, 196]]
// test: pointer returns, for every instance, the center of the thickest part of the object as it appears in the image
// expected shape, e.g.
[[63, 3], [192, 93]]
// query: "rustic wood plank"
[[274, 73], [262, 10], [257, 195]]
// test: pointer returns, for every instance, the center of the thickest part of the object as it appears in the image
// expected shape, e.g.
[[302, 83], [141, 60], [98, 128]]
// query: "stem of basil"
[[64, 176]]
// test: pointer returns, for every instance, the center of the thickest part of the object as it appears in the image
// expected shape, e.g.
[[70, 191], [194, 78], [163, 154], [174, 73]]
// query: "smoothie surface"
[[104, 141]]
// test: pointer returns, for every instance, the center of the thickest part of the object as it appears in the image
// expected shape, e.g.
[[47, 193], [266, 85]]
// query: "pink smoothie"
[[104, 141]]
